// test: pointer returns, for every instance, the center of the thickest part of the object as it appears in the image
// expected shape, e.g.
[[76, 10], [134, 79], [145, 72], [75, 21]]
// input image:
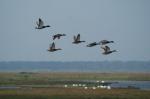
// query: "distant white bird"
[[85, 87], [102, 81], [93, 88], [108, 87], [73, 85], [40, 24], [101, 86], [104, 87], [65, 86], [97, 81], [98, 86], [80, 85]]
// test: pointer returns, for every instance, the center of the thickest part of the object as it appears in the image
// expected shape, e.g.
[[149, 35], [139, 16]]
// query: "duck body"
[[108, 52], [58, 36], [92, 44], [103, 42], [77, 42], [42, 27], [53, 50]]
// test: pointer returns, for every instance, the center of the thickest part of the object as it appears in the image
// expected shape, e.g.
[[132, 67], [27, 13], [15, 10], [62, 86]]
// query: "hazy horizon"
[[77, 61], [105, 66]]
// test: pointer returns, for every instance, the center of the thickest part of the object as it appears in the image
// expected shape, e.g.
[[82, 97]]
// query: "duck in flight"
[[58, 36], [52, 48], [77, 39], [40, 24], [103, 42], [107, 50], [92, 44]]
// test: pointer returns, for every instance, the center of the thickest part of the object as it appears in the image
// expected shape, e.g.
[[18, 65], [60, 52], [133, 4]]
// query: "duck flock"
[[76, 40]]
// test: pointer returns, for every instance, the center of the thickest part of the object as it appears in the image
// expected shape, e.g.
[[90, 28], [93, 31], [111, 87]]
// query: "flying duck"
[[107, 50], [92, 44], [52, 48], [103, 42], [40, 24], [77, 39], [58, 36]]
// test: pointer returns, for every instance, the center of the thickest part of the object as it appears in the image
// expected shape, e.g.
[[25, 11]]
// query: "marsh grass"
[[74, 93], [40, 86], [47, 78]]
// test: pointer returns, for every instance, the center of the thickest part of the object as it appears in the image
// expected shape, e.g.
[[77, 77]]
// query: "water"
[[104, 66], [143, 85], [9, 87]]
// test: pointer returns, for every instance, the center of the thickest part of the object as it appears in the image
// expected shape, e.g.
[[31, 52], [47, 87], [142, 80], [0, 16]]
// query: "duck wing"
[[74, 37], [58, 37], [104, 41], [37, 23], [54, 37], [41, 23], [103, 47], [52, 46], [107, 48], [78, 37], [92, 44]]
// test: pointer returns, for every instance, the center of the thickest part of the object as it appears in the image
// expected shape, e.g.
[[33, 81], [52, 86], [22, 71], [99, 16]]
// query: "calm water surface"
[[143, 85]]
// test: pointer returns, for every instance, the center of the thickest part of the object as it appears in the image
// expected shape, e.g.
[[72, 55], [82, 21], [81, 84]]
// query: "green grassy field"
[[24, 78], [74, 93], [48, 86]]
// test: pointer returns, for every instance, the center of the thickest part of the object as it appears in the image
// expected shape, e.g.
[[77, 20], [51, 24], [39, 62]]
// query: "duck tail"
[[111, 41], [114, 51], [63, 34], [47, 26]]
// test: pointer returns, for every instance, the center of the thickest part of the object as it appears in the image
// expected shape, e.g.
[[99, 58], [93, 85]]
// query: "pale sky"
[[126, 22]]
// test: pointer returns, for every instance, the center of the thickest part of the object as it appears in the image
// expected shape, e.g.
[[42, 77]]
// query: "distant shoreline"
[[75, 76], [100, 67]]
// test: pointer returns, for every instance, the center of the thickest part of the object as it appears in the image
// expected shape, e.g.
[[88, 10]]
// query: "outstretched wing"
[[41, 23], [103, 41], [37, 23], [52, 46], [103, 47], [74, 37], [78, 37], [107, 48], [54, 37]]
